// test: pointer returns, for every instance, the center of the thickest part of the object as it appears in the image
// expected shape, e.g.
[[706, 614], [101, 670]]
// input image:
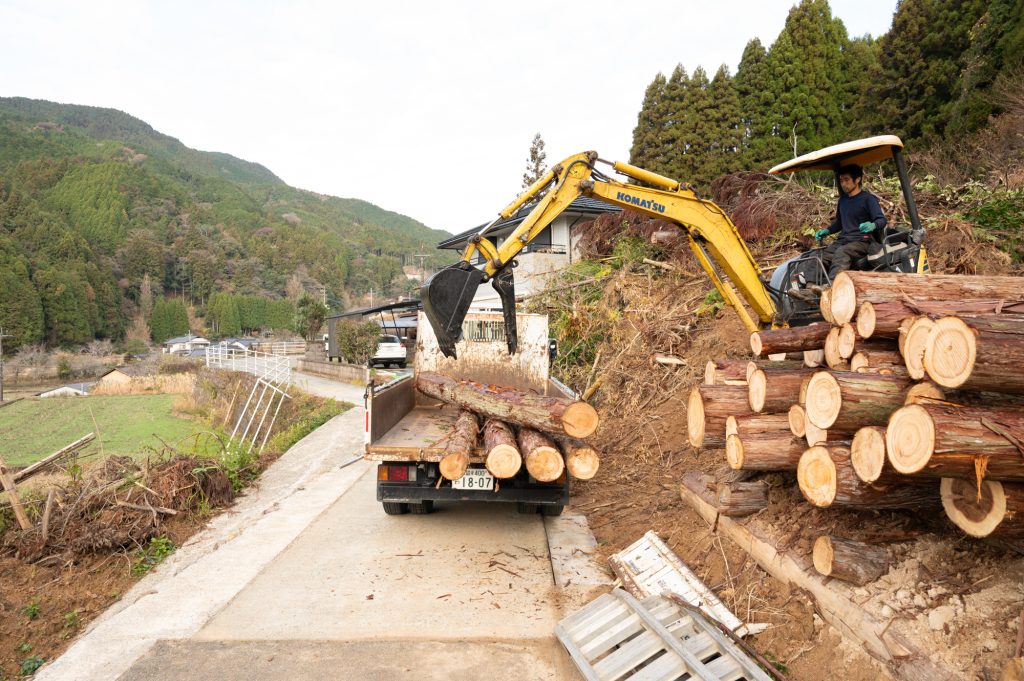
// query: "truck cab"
[[406, 431]]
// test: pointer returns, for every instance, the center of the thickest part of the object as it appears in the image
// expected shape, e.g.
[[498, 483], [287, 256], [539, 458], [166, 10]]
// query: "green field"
[[126, 425]]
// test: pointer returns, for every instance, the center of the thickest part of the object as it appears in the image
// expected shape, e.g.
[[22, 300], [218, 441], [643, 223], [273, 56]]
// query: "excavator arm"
[[713, 239]]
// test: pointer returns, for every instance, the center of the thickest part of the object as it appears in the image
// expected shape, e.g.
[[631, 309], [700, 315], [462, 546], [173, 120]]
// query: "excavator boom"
[[713, 238]]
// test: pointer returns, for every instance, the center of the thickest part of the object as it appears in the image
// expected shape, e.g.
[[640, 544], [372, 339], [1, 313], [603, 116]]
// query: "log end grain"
[[822, 555], [580, 420], [914, 345], [923, 392], [832, 357], [910, 439], [814, 358], [695, 418], [709, 372], [866, 319], [847, 340], [824, 399], [503, 461], [731, 426], [843, 299], [825, 306], [797, 419], [950, 352], [976, 516], [813, 434], [867, 453], [734, 452], [816, 475], [582, 462], [755, 343], [453, 466], [757, 390], [751, 368]]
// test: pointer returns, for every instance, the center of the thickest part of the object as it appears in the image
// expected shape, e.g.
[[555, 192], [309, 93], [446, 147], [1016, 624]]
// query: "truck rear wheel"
[[422, 508], [395, 508], [523, 507], [552, 510]]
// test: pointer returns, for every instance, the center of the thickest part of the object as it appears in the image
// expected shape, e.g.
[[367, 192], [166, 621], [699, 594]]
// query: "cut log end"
[[910, 439], [709, 372], [843, 299], [847, 340], [580, 420], [734, 452], [824, 399], [866, 319], [797, 418], [923, 392], [757, 389], [731, 426], [976, 515], [832, 357], [695, 418], [823, 555], [914, 345], [582, 462], [453, 466], [755, 344], [867, 453], [751, 368], [816, 475], [950, 352], [814, 358], [503, 461], [542, 458], [825, 306]]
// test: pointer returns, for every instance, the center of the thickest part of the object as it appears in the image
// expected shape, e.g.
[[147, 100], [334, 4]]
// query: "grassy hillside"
[[93, 200]]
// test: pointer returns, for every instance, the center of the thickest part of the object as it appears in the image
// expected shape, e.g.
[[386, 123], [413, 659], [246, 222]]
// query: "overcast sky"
[[424, 108]]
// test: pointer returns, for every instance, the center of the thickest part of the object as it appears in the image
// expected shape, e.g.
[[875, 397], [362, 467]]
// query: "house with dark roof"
[[554, 249], [182, 345]]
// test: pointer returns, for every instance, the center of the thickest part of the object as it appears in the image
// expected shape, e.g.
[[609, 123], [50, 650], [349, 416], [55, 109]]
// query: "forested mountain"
[[929, 78], [93, 200]]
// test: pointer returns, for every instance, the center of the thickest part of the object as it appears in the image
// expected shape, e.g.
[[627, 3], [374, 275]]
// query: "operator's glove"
[[821, 233], [867, 227]]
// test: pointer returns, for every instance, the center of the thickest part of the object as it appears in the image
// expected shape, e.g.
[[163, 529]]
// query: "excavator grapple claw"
[[446, 299]]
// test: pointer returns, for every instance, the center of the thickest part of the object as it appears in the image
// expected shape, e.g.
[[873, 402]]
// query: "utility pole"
[[323, 295], [3, 334], [371, 296], [423, 274]]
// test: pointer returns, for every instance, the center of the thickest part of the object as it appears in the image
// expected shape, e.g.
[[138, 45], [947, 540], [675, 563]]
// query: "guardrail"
[[272, 368], [283, 347]]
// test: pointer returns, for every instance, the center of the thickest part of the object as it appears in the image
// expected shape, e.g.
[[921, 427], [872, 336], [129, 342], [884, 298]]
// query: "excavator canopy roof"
[[860, 152]]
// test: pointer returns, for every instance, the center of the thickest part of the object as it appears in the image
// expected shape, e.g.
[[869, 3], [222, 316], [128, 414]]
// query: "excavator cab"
[[899, 248]]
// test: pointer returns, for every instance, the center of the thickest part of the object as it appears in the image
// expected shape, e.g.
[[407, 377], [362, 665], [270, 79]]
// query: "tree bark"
[[775, 390], [848, 560], [844, 401], [460, 446], [883, 319], [726, 372], [795, 339], [977, 353], [852, 288], [547, 414], [543, 460], [757, 424], [997, 513], [737, 499], [826, 478], [764, 452], [503, 457], [952, 441], [707, 408], [581, 460]]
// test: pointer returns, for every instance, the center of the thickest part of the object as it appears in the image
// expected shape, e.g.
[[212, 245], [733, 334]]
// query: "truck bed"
[[421, 435]]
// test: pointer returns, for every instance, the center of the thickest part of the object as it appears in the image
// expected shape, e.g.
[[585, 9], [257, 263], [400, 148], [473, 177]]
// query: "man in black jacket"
[[858, 219]]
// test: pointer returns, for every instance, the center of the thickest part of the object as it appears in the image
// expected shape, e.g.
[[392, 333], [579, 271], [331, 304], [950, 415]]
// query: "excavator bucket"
[[446, 298]]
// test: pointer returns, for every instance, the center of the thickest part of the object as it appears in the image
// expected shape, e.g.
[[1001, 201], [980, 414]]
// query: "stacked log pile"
[[514, 430], [908, 396]]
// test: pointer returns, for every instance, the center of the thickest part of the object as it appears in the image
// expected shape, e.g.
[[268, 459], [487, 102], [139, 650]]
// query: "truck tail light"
[[396, 473]]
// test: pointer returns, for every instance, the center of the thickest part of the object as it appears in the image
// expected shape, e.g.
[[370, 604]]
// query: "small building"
[[185, 344], [239, 343], [69, 390], [398, 319], [554, 248]]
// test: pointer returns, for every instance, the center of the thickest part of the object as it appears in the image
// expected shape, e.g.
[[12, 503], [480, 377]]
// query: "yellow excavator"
[[713, 238]]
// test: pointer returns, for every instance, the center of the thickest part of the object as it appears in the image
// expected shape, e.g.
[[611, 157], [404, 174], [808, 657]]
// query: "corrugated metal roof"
[[584, 205]]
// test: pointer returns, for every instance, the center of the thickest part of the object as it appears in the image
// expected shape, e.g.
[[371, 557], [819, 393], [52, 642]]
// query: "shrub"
[[357, 341]]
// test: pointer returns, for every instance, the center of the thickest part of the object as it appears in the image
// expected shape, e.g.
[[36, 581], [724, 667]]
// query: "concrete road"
[[307, 578]]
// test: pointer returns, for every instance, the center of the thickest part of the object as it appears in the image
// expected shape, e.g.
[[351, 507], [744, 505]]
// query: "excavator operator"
[[859, 221]]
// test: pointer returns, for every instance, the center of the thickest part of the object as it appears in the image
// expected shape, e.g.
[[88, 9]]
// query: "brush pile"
[[908, 396]]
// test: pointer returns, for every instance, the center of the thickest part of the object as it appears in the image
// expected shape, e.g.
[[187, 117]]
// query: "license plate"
[[475, 478]]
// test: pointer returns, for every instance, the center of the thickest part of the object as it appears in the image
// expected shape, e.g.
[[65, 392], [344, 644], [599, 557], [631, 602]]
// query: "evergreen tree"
[[170, 319], [751, 86], [66, 307], [921, 59], [535, 161], [21, 312], [806, 79], [647, 149], [725, 127], [860, 63], [695, 130], [674, 136], [309, 316]]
